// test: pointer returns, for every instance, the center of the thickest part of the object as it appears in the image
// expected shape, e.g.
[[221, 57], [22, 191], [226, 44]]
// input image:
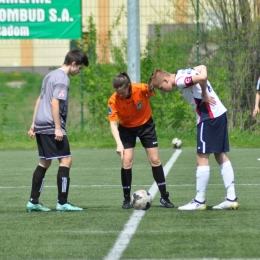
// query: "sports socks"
[[158, 175], [37, 184], [227, 173], [63, 182], [126, 180], [202, 179]]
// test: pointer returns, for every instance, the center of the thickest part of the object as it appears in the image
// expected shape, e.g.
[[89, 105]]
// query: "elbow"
[[204, 77]]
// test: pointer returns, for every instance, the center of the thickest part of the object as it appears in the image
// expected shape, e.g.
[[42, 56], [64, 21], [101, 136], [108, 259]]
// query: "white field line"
[[204, 258], [113, 186], [130, 227]]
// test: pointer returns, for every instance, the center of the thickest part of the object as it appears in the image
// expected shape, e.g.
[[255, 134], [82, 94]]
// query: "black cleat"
[[165, 202], [126, 204]]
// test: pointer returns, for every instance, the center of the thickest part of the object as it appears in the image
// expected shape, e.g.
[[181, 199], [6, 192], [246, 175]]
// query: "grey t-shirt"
[[55, 85]]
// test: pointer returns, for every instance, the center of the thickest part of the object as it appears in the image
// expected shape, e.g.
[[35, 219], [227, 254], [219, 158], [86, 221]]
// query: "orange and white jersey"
[[133, 111]]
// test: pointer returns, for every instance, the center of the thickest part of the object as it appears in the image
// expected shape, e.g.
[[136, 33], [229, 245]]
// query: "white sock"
[[202, 179], [227, 173]]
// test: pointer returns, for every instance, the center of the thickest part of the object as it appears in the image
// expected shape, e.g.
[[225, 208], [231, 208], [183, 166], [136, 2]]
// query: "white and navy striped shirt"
[[192, 94]]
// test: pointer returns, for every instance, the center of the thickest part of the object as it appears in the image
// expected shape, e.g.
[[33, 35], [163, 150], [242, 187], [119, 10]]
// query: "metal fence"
[[173, 34]]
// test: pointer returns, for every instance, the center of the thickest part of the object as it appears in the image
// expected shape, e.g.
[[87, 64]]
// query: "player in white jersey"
[[212, 131], [49, 122]]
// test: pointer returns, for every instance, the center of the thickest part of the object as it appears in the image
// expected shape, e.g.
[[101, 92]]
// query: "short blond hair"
[[156, 78]]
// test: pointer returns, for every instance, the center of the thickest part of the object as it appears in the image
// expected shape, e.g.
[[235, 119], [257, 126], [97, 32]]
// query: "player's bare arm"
[[202, 80], [115, 133], [257, 99], [31, 130], [55, 108]]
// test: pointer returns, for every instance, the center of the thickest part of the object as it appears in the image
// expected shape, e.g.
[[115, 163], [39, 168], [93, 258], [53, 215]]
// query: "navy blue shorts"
[[49, 148], [146, 134], [212, 135]]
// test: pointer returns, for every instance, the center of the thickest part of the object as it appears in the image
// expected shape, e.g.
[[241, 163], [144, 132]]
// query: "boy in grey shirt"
[[49, 121]]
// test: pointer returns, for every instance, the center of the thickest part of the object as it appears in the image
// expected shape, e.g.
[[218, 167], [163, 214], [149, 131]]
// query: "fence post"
[[198, 33], [133, 40]]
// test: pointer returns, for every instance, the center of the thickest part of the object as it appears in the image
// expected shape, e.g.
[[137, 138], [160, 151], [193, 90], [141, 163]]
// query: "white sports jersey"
[[258, 85], [192, 94]]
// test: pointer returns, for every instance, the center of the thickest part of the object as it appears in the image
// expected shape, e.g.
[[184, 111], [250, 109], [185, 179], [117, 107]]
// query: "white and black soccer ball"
[[141, 199], [176, 143]]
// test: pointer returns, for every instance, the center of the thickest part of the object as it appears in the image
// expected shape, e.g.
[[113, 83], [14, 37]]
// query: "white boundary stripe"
[[204, 258], [130, 227], [112, 186]]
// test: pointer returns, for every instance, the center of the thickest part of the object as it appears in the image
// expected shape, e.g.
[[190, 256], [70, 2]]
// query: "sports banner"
[[40, 19]]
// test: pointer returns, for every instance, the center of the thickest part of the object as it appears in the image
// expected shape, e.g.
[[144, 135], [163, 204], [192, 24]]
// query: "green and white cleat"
[[30, 207], [67, 207]]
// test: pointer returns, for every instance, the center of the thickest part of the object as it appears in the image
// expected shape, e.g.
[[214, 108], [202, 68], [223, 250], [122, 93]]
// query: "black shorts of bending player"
[[49, 148], [146, 134], [212, 135]]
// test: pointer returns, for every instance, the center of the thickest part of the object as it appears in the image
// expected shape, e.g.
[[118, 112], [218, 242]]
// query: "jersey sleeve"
[[146, 91], [112, 112], [184, 81], [60, 88]]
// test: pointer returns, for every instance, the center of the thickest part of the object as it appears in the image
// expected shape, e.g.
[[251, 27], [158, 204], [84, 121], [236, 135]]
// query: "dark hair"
[[76, 55], [121, 80]]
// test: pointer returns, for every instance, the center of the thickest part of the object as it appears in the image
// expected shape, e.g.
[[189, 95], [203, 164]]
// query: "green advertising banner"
[[40, 19]]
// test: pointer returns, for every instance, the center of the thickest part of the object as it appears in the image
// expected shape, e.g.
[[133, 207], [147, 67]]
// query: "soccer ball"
[[141, 199], [176, 143]]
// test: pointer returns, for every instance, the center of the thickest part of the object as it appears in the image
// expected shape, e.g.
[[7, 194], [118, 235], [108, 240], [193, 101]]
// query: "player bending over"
[[212, 130], [130, 106]]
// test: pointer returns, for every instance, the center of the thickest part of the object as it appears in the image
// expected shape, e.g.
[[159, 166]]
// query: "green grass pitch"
[[96, 186]]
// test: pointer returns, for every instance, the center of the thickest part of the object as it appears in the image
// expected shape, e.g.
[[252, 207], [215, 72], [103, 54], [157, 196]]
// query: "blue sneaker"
[[67, 207], [36, 207]]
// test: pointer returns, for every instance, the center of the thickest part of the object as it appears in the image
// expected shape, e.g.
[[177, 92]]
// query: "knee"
[[67, 162], [155, 162], [127, 164], [45, 163]]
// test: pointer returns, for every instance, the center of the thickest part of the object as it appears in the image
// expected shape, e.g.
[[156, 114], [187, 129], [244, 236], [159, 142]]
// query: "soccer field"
[[105, 231]]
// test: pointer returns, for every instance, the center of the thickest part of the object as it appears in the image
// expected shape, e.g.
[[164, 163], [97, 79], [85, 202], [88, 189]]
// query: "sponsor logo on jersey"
[[139, 105], [61, 94], [109, 110], [188, 81]]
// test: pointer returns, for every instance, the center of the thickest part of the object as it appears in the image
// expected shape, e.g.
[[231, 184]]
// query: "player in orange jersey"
[[129, 106]]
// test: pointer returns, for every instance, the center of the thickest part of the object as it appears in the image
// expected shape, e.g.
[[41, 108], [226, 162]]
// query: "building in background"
[[108, 16]]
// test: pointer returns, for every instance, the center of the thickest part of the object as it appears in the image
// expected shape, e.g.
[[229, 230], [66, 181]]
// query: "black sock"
[[37, 183], [126, 179], [158, 176], [63, 183]]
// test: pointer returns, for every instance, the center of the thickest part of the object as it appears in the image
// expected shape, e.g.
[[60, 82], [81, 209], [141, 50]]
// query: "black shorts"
[[49, 148], [212, 135], [146, 134]]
